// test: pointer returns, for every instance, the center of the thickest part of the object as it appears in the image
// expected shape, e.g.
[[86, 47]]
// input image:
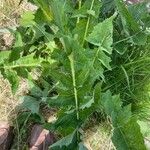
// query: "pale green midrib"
[[124, 138], [71, 59], [87, 24], [19, 66], [80, 3]]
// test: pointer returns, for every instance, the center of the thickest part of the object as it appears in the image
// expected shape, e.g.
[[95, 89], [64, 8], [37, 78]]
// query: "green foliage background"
[[88, 50]]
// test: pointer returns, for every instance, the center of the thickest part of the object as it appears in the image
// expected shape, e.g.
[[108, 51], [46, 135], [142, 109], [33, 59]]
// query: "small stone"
[[40, 138], [6, 136]]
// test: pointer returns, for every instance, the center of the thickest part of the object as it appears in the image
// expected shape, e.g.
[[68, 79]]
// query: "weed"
[[87, 54]]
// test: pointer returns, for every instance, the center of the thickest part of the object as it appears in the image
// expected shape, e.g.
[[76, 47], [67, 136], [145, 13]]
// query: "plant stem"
[[20, 66], [74, 84], [125, 39], [126, 75], [80, 2], [18, 135], [71, 59], [87, 24]]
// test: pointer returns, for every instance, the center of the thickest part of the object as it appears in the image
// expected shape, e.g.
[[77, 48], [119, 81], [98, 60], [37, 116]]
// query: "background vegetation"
[[92, 61]]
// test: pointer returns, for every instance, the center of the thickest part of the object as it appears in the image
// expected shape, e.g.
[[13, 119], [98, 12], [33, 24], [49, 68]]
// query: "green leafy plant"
[[123, 123], [85, 48]]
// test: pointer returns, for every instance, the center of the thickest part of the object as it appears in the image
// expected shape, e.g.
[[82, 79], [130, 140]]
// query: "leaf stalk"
[[71, 59], [87, 24], [80, 3]]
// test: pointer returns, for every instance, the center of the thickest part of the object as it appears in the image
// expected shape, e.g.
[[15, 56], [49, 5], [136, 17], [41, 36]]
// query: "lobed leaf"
[[126, 134], [66, 142], [101, 35], [30, 103]]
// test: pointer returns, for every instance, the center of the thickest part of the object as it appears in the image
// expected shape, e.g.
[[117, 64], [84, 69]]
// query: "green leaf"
[[58, 7], [144, 125], [79, 31], [27, 19], [107, 6], [12, 70], [140, 38], [128, 137], [88, 13], [31, 104], [109, 103], [130, 24], [102, 35], [35, 90], [126, 134], [44, 5], [139, 15], [18, 40], [121, 47], [13, 79], [60, 101], [66, 142], [88, 103], [40, 17], [66, 122], [123, 116], [83, 76], [82, 146], [4, 55], [94, 64], [97, 94], [86, 9], [17, 48], [22, 72], [104, 59], [127, 18], [24, 62], [22, 118]]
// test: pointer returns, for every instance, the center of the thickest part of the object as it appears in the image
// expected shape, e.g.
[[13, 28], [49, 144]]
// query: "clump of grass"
[[132, 80], [99, 137]]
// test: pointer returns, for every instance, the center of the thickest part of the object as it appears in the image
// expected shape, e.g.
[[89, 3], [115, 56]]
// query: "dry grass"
[[10, 11], [8, 102], [99, 137]]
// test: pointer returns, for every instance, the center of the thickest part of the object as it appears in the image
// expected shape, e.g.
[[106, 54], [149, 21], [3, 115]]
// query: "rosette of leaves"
[[73, 46]]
